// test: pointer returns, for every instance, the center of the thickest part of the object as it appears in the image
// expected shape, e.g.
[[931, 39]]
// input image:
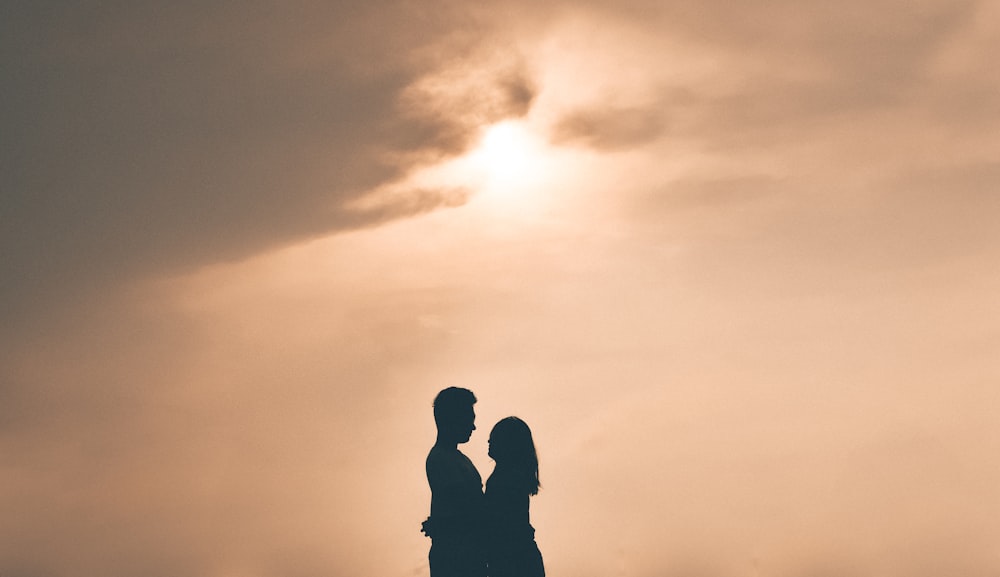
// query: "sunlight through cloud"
[[504, 151], [509, 156], [510, 171]]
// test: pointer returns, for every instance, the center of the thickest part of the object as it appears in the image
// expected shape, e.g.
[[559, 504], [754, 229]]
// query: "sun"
[[504, 149], [510, 170], [509, 155]]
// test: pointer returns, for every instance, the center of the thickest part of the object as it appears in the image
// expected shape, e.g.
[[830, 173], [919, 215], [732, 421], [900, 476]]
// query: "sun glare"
[[510, 169], [515, 171], [510, 156], [505, 150]]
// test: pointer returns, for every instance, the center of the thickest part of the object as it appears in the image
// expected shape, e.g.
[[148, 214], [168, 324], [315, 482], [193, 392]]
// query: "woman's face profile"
[[496, 444]]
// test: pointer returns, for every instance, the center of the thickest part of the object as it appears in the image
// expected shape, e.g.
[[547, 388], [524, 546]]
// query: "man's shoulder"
[[439, 459], [441, 455], [444, 458]]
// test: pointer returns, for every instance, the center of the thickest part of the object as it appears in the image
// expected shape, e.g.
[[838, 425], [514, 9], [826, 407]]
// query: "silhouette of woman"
[[511, 548]]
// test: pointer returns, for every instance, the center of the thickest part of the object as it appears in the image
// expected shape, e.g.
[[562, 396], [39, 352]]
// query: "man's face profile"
[[465, 424]]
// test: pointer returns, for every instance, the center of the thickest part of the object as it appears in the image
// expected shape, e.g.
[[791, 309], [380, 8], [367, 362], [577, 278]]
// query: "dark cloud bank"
[[144, 137]]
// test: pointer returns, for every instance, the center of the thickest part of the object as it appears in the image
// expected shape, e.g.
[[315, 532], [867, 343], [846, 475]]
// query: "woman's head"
[[511, 445]]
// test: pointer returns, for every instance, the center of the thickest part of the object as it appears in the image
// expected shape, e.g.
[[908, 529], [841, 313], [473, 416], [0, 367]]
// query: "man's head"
[[454, 415]]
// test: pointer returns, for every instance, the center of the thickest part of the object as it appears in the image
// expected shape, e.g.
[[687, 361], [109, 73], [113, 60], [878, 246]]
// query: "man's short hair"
[[451, 404]]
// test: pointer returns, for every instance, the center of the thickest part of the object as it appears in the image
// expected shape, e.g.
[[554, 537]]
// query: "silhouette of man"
[[455, 524]]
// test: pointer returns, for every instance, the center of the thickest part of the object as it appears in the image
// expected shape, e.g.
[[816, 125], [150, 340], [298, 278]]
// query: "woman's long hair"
[[511, 445]]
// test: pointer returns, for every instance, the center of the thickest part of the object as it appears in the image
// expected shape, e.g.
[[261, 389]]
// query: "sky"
[[734, 263]]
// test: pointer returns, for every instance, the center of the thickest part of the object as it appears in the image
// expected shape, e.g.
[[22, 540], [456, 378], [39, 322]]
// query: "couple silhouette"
[[475, 534]]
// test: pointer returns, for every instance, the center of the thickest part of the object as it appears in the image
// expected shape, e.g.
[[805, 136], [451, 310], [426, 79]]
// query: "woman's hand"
[[427, 527]]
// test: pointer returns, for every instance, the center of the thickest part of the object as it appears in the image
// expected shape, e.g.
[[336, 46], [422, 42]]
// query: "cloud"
[[800, 126], [609, 129], [765, 75], [381, 206], [142, 138], [468, 91]]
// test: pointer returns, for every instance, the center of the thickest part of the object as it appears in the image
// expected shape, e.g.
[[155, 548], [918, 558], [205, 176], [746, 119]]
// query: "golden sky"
[[734, 263]]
